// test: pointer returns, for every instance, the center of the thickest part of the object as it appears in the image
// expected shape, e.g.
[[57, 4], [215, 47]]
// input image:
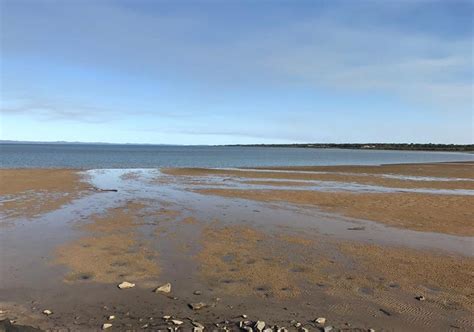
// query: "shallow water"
[[89, 156], [141, 184]]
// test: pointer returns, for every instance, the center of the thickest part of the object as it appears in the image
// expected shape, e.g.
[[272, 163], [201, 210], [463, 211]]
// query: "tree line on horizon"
[[373, 146]]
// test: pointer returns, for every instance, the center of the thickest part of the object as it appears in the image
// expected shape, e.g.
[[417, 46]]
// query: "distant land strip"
[[372, 146]]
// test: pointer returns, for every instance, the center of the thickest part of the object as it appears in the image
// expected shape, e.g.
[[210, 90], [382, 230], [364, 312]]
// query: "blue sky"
[[220, 72]]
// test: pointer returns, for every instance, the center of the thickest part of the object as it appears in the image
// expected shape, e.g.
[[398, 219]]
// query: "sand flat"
[[293, 246], [421, 212], [29, 192], [462, 175]]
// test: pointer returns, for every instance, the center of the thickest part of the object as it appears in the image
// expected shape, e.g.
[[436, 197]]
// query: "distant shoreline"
[[371, 146], [350, 146]]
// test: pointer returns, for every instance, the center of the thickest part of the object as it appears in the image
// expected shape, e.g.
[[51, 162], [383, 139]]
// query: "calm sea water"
[[148, 156]]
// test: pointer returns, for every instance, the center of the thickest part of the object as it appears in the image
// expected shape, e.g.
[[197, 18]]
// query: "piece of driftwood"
[[104, 190]]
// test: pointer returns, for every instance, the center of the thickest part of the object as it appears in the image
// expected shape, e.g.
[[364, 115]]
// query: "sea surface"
[[88, 156]]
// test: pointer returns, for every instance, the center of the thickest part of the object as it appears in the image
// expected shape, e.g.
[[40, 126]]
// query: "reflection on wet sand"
[[281, 255]]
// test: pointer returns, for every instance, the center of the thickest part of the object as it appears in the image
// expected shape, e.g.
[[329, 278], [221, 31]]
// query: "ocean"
[[88, 156]]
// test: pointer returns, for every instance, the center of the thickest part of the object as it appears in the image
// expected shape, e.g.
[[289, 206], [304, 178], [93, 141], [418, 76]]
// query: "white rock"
[[244, 316], [198, 329], [112, 317], [328, 328], [47, 312], [106, 326], [268, 329], [166, 317], [371, 330], [125, 285], [166, 288], [176, 322], [320, 320], [282, 329], [198, 325], [260, 325], [298, 324]]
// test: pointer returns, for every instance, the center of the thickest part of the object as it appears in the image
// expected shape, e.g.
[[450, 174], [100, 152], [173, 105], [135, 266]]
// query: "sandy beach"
[[388, 248]]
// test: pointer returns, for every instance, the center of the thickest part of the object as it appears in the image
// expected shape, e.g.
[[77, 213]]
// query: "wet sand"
[[29, 192], [358, 253]]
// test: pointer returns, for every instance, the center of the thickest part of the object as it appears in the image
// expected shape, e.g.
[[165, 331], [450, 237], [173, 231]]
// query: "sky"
[[236, 72]]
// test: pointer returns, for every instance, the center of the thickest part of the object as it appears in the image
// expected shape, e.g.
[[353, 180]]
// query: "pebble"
[[328, 328], [198, 325], [371, 330], [282, 329], [176, 322], [304, 329], [197, 306], [198, 329], [320, 320], [125, 285], [47, 312], [420, 298], [268, 329], [166, 317], [112, 317], [260, 325], [166, 288], [197, 292], [244, 316], [297, 325], [106, 326]]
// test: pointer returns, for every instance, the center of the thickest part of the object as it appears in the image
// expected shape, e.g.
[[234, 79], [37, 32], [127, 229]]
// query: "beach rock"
[[166, 288], [320, 320], [198, 325], [125, 285], [106, 326], [47, 312], [260, 325], [112, 317], [176, 322], [197, 306]]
